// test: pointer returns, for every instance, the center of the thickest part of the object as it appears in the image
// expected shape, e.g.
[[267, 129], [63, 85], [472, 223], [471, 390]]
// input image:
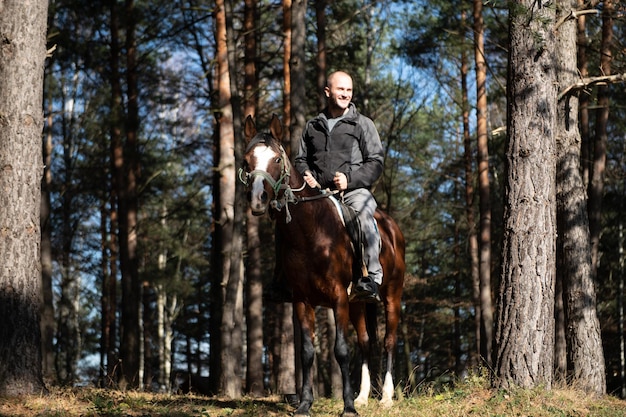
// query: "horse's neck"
[[296, 182]]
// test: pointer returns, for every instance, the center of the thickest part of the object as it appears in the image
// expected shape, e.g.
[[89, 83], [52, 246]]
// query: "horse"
[[317, 261]]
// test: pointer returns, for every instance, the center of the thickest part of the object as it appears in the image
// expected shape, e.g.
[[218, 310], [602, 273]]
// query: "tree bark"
[[48, 324], [582, 324], [320, 17], [472, 236], [583, 101], [254, 284], [596, 184], [486, 307], [298, 71], [287, 75], [525, 320], [68, 335], [232, 283], [128, 206], [109, 286], [22, 55]]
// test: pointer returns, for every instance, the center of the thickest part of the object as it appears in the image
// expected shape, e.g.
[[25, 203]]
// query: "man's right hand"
[[310, 180]]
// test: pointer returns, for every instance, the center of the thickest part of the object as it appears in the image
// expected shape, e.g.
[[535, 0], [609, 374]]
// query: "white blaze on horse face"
[[263, 156]]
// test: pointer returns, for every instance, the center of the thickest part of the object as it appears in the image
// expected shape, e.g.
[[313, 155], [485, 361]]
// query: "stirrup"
[[365, 290]]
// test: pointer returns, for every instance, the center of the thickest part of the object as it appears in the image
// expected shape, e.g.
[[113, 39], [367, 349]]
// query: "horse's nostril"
[[264, 197]]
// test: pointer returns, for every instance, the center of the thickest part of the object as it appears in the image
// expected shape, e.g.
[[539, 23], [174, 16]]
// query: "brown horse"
[[317, 261]]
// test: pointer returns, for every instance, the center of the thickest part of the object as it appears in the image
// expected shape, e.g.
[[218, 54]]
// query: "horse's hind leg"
[[306, 317]]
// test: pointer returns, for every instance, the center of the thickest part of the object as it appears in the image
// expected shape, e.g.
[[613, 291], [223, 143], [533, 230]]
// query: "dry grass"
[[470, 398]]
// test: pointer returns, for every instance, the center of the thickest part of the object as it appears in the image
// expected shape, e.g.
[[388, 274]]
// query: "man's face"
[[339, 92]]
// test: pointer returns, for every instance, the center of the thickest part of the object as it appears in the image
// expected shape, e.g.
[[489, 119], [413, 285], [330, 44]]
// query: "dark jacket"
[[353, 148]]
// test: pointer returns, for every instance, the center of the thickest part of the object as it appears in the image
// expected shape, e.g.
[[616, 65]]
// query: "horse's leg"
[[306, 317], [342, 354], [357, 315], [392, 318]]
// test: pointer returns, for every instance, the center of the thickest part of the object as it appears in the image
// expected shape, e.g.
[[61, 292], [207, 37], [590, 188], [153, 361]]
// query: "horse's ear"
[[276, 128], [249, 129]]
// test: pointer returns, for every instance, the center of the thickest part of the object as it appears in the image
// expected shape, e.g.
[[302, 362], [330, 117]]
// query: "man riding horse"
[[341, 150]]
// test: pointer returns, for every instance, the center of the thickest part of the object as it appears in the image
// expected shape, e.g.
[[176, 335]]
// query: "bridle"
[[281, 184], [280, 200]]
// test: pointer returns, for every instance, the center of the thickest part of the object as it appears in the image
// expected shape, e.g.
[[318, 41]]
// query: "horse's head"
[[266, 167]]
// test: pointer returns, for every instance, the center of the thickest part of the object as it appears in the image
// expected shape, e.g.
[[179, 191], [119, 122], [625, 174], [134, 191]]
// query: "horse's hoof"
[[299, 413], [349, 414], [360, 401], [386, 402]]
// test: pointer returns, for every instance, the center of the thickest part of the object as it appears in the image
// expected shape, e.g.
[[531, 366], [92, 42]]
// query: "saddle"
[[353, 227]]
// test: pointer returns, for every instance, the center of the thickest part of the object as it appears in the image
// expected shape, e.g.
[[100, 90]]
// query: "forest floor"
[[466, 399]]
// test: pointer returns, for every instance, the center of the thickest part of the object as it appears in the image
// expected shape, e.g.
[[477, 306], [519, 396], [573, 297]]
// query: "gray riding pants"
[[363, 202]]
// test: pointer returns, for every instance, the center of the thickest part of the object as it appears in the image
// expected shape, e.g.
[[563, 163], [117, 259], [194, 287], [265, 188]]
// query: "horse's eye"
[[277, 160]]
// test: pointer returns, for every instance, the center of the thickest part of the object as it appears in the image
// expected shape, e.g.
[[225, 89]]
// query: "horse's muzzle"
[[258, 202]]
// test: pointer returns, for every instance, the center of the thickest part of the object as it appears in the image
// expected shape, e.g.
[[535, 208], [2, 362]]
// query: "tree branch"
[[574, 14], [588, 81]]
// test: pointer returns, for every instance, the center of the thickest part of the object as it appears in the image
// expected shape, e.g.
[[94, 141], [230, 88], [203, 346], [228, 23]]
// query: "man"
[[341, 149]]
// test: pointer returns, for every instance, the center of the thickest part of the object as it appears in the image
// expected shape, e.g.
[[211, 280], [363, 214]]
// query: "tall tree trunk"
[[107, 305], [320, 17], [48, 324], [68, 337], [583, 101], [254, 284], [232, 283], [289, 361], [298, 70], [472, 237], [620, 307], [128, 206], [284, 359], [327, 320], [596, 184], [583, 327], [287, 75], [109, 312], [486, 307], [22, 55], [525, 321], [160, 308]]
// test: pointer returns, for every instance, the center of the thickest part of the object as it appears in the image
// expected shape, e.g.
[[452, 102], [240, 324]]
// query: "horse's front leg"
[[358, 317], [306, 317], [342, 354]]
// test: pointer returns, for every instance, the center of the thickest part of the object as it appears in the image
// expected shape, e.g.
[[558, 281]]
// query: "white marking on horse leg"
[[366, 385], [387, 398]]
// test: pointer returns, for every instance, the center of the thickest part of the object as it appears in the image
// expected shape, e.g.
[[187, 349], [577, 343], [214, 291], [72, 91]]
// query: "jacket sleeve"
[[372, 152], [301, 160]]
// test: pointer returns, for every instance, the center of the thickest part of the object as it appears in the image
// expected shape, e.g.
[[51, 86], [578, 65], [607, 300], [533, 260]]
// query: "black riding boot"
[[365, 290]]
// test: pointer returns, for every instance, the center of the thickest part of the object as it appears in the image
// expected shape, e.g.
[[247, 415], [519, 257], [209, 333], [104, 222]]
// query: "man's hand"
[[308, 177], [341, 181]]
